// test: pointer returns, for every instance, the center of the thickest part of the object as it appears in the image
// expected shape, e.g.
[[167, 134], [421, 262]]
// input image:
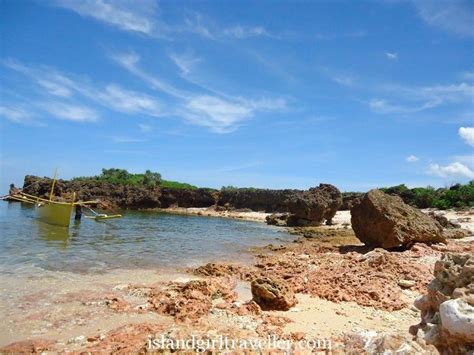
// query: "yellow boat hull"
[[55, 213]]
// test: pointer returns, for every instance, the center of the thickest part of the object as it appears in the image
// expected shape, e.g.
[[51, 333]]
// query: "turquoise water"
[[140, 239]]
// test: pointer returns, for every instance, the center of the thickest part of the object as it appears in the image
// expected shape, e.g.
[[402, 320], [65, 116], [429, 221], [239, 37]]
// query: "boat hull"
[[55, 213]]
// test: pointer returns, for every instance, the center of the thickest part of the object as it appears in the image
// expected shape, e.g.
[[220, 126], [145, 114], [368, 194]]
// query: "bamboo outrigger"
[[56, 212]]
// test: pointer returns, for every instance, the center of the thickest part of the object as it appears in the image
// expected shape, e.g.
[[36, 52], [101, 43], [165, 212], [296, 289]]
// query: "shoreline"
[[212, 212]]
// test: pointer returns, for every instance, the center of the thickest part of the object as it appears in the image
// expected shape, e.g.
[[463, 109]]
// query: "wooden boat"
[[56, 212]]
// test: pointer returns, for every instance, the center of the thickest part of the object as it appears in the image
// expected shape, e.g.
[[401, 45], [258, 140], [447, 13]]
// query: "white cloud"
[[415, 99], [241, 32], [467, 134], [127, 101], [69, 112], [468, 75], [412, 159], [128, 15], [17, 114], [111, 96], [220, 113], [391, 56], [130, 62], [185, 63], [451, 15], [454, 170], [145, 128]]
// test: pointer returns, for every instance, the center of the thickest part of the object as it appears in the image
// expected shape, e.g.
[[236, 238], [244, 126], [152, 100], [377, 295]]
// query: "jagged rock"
[[117, 195], [271, 294], [381, 220], [256, 199], [457, 317], [314, 206], [447, 310], [457, 233], [443, 221], [277, 219]]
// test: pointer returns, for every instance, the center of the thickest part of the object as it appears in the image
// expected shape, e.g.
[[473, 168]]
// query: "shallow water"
[[139, 240]]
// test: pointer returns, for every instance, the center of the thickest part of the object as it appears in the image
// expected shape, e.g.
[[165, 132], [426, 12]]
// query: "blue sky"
[[277, 94]]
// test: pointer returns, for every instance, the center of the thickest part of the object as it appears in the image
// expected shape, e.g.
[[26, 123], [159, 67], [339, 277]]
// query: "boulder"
[[385, 221], [271, 294], [314, 206], [447, 310], [277, 219]]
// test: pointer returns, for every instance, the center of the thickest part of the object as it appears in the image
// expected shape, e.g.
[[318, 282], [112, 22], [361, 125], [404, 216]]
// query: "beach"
[[122, 309]]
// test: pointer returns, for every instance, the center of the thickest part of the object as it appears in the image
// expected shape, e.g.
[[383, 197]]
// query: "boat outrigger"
[[56, 212]]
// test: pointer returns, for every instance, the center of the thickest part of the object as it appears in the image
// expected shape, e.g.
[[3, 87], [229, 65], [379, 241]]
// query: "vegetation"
[[123, 177], [456, 196]]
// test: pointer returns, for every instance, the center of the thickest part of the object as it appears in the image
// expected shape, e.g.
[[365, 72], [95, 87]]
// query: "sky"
[[271, 94]]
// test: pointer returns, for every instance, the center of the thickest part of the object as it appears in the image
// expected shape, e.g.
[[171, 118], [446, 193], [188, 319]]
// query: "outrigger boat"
[[56, 212]]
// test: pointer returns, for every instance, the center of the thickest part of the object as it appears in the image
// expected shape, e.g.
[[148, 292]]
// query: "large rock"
[[314, 206], [266, 200], [381, 220], [447, 310], [271, 294]]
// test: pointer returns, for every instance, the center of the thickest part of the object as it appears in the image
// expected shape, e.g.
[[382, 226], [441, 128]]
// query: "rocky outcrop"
[[277, 219], [385, 221], [256, 199], [314, 206], [188, 198], [447, 310], [123, 196], [271, 294]]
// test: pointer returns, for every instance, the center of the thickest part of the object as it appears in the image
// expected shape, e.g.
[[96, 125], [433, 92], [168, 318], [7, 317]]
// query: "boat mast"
[[54, 183]]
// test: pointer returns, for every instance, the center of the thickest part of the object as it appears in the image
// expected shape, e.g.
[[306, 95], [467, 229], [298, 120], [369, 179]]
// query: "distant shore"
[[213, 212]]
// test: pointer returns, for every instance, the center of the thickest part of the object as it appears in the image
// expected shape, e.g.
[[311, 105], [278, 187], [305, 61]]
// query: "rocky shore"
[[382, 277]]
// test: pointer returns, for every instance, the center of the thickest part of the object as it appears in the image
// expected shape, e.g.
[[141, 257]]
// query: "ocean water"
[[138, 240]]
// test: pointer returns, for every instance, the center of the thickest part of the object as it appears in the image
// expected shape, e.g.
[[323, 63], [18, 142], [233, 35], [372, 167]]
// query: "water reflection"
[[55, 235]]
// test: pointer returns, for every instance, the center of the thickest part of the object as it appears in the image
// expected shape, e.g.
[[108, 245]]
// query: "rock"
[[406, 283], [277, 219], [266, 200], [457, 317], [314, 206], [28, 347], [447, 310], [443, 221], [458, 233], [381, 220], [271, 294]]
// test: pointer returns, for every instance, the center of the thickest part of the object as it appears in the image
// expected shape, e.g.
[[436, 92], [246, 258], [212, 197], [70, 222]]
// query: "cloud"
[[69, 112], [221, 113], [391, 56], [130, 62], [242, 32], [127, 15], [414, 99], [468, 75], [145, 128], [454, 170], [196, 23], [184, 62], [467, 134], [454, 16], [412, 159], [111, 96], [18, 114]]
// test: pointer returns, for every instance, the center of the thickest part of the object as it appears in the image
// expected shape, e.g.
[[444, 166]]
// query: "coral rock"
[[271, 294], [381, 220]]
